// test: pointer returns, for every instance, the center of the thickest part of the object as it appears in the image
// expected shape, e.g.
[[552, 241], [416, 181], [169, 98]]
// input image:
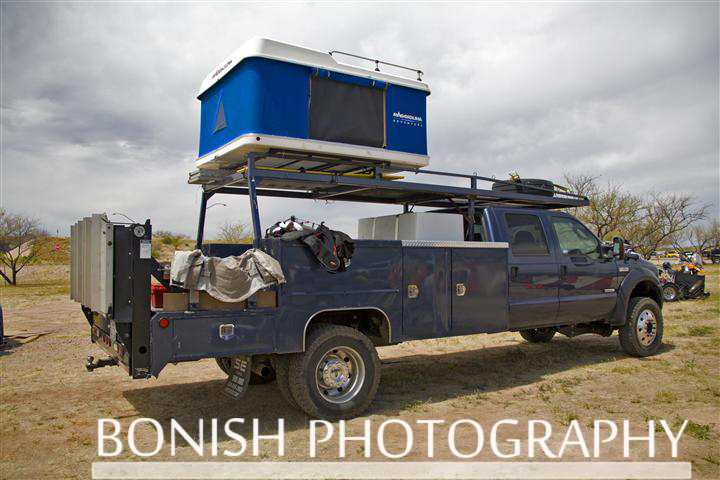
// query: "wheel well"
[[372, 322], [647, 289]]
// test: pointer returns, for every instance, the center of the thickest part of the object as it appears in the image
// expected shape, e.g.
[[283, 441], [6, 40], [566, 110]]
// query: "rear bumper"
[[104, 338], [209, 334]]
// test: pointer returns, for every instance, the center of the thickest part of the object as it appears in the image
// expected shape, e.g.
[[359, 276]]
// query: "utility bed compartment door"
[[479, 290], [426, 299]]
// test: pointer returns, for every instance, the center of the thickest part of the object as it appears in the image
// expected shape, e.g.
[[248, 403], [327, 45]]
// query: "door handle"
[[563, 270], [513, 273], [580, 261]]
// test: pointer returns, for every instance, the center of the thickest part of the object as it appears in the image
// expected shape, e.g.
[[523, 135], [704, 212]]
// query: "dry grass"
[[53, 251], [37, 284]]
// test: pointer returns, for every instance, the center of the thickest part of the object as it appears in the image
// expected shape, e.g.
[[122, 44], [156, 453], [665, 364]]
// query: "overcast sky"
[[99, 109]]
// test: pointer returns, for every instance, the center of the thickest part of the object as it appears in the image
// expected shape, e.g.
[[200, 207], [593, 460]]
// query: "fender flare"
[[347, 310], [627, 286]]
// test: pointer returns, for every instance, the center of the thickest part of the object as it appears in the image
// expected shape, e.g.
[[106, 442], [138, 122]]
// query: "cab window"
[[526, 234], [575, 238], [479, 232]]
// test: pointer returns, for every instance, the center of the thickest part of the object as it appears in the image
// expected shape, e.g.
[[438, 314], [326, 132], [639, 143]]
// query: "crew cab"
[[522, 264]]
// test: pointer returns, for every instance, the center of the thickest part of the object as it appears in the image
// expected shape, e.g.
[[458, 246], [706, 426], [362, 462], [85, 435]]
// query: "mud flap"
[[239, 377]]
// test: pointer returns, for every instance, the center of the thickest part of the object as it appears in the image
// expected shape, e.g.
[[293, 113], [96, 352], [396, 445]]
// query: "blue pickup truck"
[[523, 265]]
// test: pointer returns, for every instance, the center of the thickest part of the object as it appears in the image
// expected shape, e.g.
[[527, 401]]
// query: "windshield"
[[575, 238]]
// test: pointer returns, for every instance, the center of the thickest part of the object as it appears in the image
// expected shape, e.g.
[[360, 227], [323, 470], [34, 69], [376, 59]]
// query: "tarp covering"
[[346, 112], [228, 279]]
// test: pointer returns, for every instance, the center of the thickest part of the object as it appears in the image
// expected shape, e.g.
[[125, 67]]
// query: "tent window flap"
[[346, 113]]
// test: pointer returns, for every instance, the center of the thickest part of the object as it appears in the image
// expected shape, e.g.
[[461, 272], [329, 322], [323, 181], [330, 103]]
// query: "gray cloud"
[[98, 108]]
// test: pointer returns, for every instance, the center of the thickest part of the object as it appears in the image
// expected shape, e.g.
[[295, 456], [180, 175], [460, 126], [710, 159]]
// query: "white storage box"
[[412, 226]]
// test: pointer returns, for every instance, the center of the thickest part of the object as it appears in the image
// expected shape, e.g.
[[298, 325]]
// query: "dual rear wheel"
[[336, 377]]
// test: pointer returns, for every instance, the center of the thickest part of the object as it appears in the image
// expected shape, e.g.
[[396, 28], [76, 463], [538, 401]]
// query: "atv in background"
[[682, 283]]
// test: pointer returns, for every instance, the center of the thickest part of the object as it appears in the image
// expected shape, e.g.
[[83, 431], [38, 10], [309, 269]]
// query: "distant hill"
[[56, 250], [53, 251]]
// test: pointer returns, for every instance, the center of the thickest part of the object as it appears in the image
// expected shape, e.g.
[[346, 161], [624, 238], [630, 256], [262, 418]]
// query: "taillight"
[[164, 323]]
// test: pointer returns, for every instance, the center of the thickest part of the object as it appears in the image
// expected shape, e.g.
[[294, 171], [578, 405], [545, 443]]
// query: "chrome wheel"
[[646, 328], [340, 374]]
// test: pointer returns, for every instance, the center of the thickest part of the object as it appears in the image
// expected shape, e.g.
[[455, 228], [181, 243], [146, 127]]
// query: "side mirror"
[[606, 251], [619, 248]]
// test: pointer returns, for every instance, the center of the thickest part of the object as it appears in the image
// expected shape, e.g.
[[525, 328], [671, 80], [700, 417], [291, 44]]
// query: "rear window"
[[526, 235], [479, 232]]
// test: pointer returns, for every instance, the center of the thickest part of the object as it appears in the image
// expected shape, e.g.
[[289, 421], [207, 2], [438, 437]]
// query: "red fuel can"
[[156, 295]]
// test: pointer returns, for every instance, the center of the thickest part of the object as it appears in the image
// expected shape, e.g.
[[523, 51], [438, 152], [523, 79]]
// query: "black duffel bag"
[[333, 249]]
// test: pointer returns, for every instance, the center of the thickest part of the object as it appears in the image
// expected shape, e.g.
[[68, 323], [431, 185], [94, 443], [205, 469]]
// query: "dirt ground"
[[49, 404]]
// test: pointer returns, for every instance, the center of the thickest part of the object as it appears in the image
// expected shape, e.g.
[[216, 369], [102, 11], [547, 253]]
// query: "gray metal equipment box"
[[412, 226]]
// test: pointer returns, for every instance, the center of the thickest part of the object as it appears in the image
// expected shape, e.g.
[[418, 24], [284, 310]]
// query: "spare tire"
[[534, 186]]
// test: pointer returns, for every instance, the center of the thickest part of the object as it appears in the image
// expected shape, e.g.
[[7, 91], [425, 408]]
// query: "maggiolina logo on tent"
[[407, 119], [220, 70]]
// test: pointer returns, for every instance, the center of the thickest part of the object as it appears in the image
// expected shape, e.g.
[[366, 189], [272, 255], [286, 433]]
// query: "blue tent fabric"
[[271, 97]]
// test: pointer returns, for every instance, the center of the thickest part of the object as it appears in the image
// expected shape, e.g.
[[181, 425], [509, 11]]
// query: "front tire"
[[641, 335], [337, 376], [538, 335]]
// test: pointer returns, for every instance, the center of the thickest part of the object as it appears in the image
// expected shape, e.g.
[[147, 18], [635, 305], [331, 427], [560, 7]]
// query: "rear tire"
[[670, 292], [538, 335], [282, 372], [641, 335], [337, 376]]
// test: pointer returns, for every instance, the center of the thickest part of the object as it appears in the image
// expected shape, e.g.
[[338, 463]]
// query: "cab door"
[[588, 282], [533, 272]]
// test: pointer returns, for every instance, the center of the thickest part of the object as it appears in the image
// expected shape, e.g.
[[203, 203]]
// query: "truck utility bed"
[[424, 290]]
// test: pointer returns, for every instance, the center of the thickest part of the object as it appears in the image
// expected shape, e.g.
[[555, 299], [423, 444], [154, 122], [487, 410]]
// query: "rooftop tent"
[[270, 95]]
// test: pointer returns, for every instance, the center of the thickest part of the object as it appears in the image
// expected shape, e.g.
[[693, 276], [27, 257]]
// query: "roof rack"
[[320, 177], [300, 175], [377, 62]]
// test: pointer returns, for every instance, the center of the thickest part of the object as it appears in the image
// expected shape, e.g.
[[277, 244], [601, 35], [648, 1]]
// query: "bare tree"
[[647, 221], [234, 233], [662, 219], [705, 236], [18, 236], [611, 210]]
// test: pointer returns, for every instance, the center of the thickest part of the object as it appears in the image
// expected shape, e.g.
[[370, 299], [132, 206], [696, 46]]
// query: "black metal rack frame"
[[317, 177]]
